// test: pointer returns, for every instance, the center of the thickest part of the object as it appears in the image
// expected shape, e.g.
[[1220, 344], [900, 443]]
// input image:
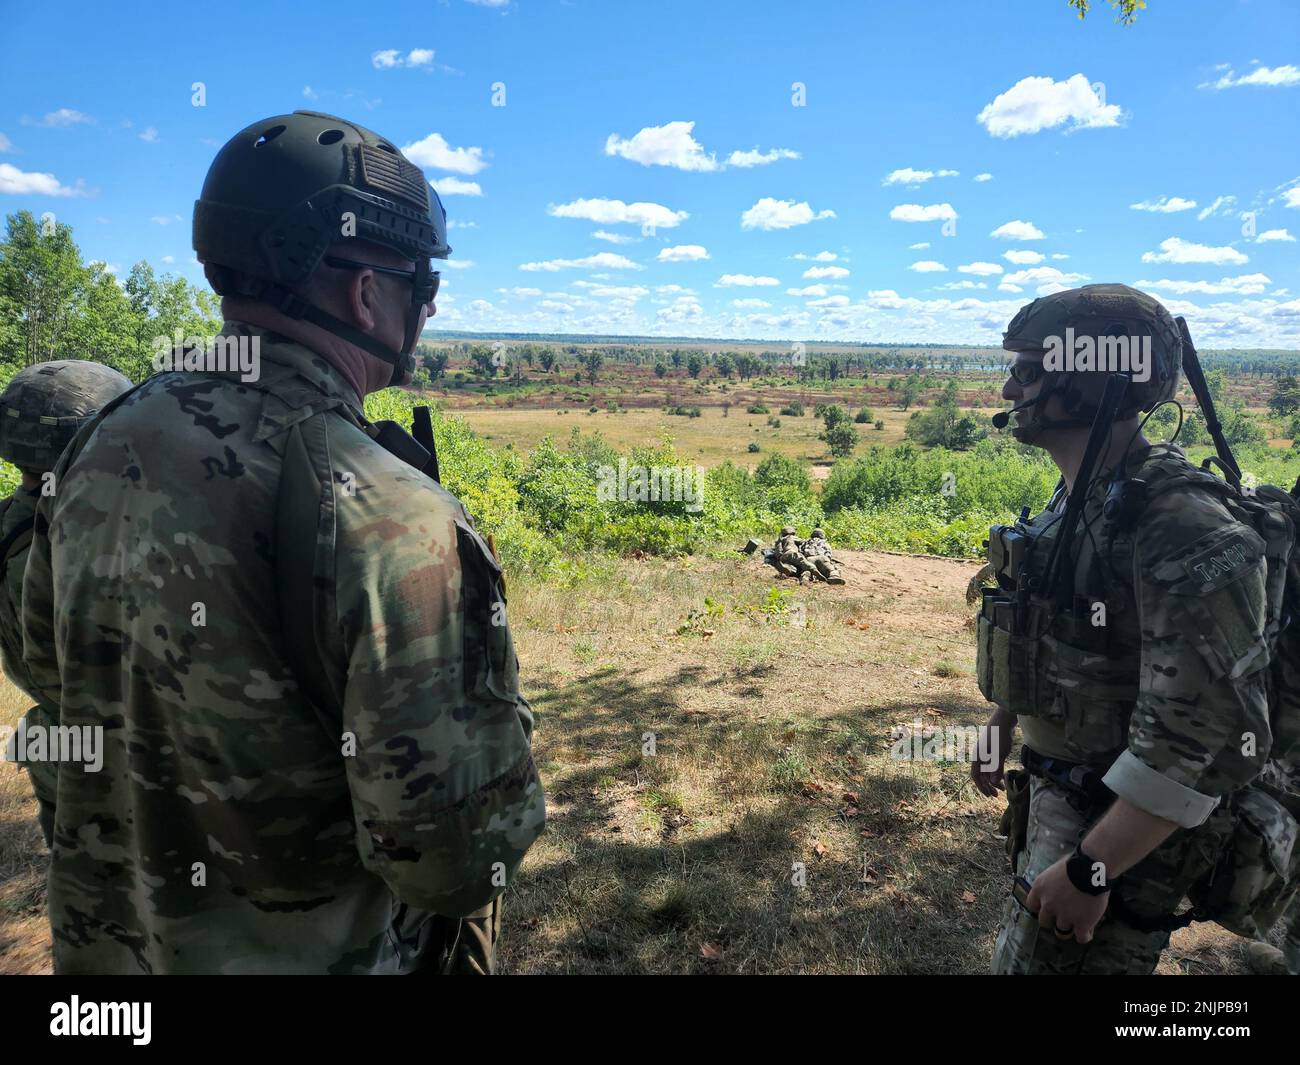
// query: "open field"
[[771, 714]]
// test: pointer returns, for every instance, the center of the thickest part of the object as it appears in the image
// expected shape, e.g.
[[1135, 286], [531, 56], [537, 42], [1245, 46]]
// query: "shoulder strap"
[[22, 531]]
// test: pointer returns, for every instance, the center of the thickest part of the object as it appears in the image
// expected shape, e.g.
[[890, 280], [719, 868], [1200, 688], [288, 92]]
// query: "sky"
[[858, 171]]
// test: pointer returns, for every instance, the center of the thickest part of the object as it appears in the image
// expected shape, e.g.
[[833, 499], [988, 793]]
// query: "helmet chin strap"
[[293, 305]]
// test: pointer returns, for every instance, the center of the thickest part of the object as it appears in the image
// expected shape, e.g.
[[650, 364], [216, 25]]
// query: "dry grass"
[[770, 719]]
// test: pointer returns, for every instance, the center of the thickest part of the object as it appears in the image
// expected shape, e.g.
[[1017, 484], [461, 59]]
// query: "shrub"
[[863, 416], [793, 409], [756, 408], [754, 447]]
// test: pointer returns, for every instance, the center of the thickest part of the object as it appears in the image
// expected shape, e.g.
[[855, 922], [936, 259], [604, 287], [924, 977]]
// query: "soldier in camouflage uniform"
[[817, 550], [41, 409], [1135, 700], [789, 558], [293, 639]]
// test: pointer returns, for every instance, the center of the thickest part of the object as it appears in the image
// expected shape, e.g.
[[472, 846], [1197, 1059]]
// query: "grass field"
[[771, 715]]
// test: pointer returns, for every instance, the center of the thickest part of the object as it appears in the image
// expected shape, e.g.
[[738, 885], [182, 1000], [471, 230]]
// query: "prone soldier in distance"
[[817, 550]]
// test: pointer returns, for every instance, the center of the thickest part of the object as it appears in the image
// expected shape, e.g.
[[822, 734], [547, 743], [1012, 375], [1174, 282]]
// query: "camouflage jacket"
[[816, 547], [296, 771], [16, 512], [1161, 679], [787, 546]]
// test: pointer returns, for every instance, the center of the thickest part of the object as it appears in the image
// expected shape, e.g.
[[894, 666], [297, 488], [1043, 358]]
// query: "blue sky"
[[636, 139]]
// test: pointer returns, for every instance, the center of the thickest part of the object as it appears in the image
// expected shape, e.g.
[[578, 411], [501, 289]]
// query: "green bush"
[[793, 409], [756, 408], [863, 416], [754, 447]]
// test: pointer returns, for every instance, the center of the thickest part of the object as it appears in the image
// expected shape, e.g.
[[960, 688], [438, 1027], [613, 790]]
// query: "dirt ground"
[[722, 797]]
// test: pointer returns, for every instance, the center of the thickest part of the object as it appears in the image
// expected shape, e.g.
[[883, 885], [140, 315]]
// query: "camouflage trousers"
[[794, 564], [45, 779], [1152, 890], [464, 946]]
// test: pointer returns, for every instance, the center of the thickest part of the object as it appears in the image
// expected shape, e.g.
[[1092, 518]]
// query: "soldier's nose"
[[1012, 390]]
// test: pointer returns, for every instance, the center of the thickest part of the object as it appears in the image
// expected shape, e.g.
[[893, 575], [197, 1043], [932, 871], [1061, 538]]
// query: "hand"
[[996, 739], [1062, 908]]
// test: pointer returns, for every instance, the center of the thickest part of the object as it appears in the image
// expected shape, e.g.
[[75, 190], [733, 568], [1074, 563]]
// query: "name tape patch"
[[1220, 564]]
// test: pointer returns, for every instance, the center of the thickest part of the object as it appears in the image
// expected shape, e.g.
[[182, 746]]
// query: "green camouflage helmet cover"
[[817, 534], [1106, 313], [788, 530], [44, 405], [282, 190]]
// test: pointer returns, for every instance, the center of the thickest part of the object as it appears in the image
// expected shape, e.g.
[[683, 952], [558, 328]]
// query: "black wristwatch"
[[1083, 871]]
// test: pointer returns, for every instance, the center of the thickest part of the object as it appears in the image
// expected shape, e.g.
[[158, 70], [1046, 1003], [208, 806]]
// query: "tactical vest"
[[1079, 667]]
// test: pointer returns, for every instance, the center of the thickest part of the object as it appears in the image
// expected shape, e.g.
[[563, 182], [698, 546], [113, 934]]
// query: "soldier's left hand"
[[1062, 908]]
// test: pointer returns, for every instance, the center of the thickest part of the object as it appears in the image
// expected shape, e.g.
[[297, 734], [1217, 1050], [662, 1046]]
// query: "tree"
[[842, 438], [547, 359], [483, 356], [1286, 396], [41, 280], [834, 415], [725, 365], [660, 369], [1126, 10], [593, 360], [911, 390], [694, 365], [436, 364]]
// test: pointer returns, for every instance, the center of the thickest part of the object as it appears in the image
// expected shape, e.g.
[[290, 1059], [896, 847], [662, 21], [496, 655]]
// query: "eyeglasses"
[[1026, 373], [415, 278]]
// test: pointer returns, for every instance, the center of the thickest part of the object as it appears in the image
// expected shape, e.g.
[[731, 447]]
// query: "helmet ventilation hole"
[[268, 136], [330, 136]]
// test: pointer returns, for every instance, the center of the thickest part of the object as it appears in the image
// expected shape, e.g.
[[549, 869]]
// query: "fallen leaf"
[[709, 952], [819, 849], [968, 897], [850, 797], [851, 811]]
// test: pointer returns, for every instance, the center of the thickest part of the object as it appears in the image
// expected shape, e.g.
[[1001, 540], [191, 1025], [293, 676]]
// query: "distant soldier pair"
[[808, 560]]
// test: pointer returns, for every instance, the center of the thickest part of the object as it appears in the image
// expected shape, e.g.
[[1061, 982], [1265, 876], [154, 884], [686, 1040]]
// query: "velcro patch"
[[1221, 564]]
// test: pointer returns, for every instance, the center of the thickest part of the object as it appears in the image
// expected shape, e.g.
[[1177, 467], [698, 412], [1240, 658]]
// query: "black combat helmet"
[[44, 405], [284, 189], [1107, 314]]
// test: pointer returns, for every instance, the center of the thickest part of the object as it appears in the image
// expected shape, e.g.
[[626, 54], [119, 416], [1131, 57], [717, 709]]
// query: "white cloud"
[[613, 212], [150, 136], [963, 285], [1058, 255], [614, 238], [683, 253], [808, 290], [830, 301], [453, 186], [63, 117], [1219, 202], [668, 145], [757, 158], [1042, 275], [1266, 76], [454, 223], [980, 269], [522, 293], [919, 247], [1037, 103], [169, 259], [310, 93], [1274, 234], [390, 58], [908, 176], [6, 145], [820, 257], [613, 292], [750, 303], [1018, 230], [816, 273], [456, 264], [914, 212], [928, 266], [435, 153], [15, 182], [668, 290], [165, 219], [984, 177], [1177, 250], [1243, 284], [1023, 258], [604, 260], [770, 214], [745, 281], [1164, 205]]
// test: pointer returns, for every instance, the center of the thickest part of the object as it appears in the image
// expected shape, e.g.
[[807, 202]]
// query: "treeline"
[[55, 305]]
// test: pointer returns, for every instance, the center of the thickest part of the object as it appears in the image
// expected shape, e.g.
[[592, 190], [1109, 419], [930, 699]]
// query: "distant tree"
[[842, 438], [835, 415], [694, 365], [483, 356], [660, 369], [436, 364], [547, 359], [1286, 396], [911, 390], [676, 359], [725, 365], [592, 361]]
